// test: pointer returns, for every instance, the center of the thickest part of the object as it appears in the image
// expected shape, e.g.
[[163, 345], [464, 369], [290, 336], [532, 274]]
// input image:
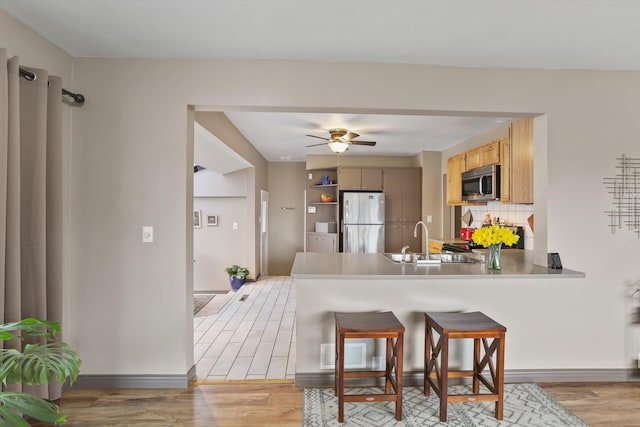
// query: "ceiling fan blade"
[[315, 145], [351, 135], [369, 143], [319, 137]]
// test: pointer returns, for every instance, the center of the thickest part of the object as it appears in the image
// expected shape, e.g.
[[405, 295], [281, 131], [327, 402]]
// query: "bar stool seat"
[[370, 325], [474, 325]]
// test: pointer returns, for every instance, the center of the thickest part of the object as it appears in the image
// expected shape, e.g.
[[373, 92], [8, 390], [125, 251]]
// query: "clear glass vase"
[[494, 257]]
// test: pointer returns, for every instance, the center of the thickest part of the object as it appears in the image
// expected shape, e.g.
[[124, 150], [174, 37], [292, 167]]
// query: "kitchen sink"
[[444, 257]]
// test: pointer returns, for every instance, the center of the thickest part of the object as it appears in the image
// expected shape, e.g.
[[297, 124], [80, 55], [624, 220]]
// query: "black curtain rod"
[[77, 97]]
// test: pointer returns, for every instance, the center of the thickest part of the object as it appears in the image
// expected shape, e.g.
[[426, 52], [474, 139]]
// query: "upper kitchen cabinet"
[[360, 179], [515, 157], [403, 201], [486, 155], [517, 164], [403, 194], [455, 167]]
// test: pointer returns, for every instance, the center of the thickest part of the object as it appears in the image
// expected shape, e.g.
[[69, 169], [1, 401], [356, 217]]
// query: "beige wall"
[[218, 247], [287, 183], [130, 161], [219, 125], [323, 161]]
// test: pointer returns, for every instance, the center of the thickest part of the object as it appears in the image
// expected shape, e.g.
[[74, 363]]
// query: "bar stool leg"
[[388, 366], [444, 377], [340, 376], [427, 359], [499, 382], [399, 373], [476, 365], [335, 365]]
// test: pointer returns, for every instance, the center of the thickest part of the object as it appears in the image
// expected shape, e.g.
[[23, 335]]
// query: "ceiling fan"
[[340, 140]]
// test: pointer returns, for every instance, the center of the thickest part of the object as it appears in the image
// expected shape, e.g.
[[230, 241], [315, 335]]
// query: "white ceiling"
[[549, 34], [281, 136]]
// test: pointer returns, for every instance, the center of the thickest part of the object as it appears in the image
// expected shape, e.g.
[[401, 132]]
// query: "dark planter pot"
[[236, 283]]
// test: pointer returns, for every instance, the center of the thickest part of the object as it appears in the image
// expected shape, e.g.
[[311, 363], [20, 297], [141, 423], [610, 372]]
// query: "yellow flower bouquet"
[[493, 237]]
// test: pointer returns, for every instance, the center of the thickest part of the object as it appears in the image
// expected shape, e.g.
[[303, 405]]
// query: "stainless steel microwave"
[[481, 184]]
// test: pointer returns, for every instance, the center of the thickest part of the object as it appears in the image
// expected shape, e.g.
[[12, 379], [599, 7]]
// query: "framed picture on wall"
[[212, 220], [197, 219]]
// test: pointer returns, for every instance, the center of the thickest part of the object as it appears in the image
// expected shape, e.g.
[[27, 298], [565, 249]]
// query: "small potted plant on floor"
[[237, 276]]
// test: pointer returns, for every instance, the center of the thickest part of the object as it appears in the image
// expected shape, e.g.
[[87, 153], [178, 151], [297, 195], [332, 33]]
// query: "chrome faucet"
[[426, 236], [403, 251]]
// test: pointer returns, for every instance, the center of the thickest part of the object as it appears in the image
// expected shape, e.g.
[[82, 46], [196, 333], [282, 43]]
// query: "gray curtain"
[[30, 199]]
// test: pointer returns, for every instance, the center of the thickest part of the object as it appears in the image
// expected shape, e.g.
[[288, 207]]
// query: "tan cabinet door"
[[392, 187], [411, 195], [521, 170], [474, 158], [491, 153], [455, 167], [371, 179], [350, 178], [321, 242]]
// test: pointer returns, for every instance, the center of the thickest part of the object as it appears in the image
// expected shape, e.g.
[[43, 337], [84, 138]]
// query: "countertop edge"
[[340, 266]]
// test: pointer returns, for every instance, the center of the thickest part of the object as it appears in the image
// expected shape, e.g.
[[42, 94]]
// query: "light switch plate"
[[235, 225], [147, 234]]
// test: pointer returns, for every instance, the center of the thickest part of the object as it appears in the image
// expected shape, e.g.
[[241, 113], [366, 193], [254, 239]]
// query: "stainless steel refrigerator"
[[363, 222]]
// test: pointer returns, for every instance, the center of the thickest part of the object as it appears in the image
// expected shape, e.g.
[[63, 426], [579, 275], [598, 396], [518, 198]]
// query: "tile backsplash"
[[516, 214]]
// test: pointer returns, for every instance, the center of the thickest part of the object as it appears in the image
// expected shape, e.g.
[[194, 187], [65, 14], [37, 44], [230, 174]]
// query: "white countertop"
[[516, 263]]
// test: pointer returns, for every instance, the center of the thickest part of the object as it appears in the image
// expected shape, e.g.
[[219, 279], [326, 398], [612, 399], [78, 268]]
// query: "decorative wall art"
[[212, 220], [625, 190], [197, 219]]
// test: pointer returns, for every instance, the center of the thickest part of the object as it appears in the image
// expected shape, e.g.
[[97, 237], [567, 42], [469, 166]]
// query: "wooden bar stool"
[[474, 325], [370, 325]]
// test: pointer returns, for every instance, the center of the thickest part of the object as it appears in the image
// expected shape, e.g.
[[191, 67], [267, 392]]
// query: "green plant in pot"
[[237, 276], [39, 363]]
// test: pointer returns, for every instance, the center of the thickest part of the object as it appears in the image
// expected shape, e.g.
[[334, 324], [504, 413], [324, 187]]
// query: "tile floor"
[[249, 334]]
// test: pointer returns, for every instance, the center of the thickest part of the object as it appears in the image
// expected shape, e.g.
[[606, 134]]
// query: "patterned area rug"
[[525, 405]]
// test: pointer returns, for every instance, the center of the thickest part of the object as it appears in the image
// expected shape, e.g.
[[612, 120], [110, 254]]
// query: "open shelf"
[[324, 203]]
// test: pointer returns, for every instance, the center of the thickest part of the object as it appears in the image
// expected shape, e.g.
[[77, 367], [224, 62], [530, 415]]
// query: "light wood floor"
[[264, 404], [249, 334]]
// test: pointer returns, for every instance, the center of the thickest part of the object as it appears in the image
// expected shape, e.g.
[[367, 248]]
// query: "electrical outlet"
[[310, 176], [311, 209], [147, 234], [429, 218], [235, 225]]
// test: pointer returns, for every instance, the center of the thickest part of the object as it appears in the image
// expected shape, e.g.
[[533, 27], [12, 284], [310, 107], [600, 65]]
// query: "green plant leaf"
[[30, 326], [12, 404], [39, 364]]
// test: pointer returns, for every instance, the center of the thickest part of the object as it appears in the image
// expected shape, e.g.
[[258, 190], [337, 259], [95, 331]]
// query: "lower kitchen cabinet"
[[322, 242]]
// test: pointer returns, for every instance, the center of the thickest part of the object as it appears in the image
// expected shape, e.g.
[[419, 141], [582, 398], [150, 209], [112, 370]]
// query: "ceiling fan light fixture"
[[338, 147]]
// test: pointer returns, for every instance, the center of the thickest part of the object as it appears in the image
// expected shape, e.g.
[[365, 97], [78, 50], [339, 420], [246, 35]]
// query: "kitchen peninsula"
[[516, 296]]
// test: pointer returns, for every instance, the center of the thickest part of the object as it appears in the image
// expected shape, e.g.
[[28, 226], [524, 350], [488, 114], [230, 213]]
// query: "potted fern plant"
[[237, 276], [39, 363]]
